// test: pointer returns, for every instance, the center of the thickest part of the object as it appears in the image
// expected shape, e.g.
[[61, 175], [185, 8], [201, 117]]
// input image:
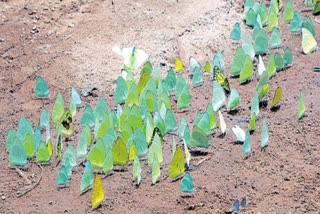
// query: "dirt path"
[[69, 44]]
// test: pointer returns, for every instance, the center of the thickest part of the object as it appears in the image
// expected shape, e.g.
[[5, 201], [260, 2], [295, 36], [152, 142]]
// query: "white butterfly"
[[133, 57], [239, 133], [261, 66]]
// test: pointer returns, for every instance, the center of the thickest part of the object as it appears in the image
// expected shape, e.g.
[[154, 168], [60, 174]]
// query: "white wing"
[[140, 57], [239, 133], [261, 66]]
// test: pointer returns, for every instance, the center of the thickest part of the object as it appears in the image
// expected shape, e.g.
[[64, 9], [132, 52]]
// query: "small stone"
[[3, 197], [71, 25], [68, 37]]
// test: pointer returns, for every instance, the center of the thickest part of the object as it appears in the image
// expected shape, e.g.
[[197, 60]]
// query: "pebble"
[[3, 197], [71, 25]]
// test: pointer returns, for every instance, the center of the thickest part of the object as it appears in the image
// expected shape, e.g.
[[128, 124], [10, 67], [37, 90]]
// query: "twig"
[[87, 190], [107, 175], [35, 184], [304, 137], [21, 174], [302, 134], [202, 160], [306, 10]]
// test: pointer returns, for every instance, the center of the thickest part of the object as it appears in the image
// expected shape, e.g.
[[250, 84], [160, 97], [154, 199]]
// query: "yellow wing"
[[178, 65], [66, 121], [132, 151], [50, 147], [221, 78], [97, 194], [218, 75], [176, 167], [226, 84], [207, 67]]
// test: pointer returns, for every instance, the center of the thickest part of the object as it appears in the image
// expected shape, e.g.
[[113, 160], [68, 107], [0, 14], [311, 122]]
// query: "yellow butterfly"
[[66, 124], [178, 64], [97, 194], [219, 76]]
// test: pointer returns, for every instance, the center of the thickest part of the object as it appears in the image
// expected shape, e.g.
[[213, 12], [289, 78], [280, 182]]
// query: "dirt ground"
[[69, 43]]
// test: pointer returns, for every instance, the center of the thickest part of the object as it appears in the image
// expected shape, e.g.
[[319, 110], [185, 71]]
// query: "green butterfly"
[[186, 184], [219, 76], [41, 89]]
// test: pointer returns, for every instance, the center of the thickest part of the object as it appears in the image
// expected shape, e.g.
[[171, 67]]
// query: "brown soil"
[[69, 44]]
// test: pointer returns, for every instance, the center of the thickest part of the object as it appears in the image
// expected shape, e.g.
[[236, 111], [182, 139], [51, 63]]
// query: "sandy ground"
[[69, 44]]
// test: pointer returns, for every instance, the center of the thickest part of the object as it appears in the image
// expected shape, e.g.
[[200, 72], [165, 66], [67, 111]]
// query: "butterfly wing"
[[97, 194], [244, 202], [236, 206], [309, 44], [127, 56], [41, 89], [226, 84], [178, 65], [139, 58], [58, 108], [176, 167], [66, 122], [316, 9], [59, 144], [219, 75]]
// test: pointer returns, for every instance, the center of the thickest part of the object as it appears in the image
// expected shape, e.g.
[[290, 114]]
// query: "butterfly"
[[156, 130], [133, 57], [97, 194], [219, 76], [66, 122], [243, 204]]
